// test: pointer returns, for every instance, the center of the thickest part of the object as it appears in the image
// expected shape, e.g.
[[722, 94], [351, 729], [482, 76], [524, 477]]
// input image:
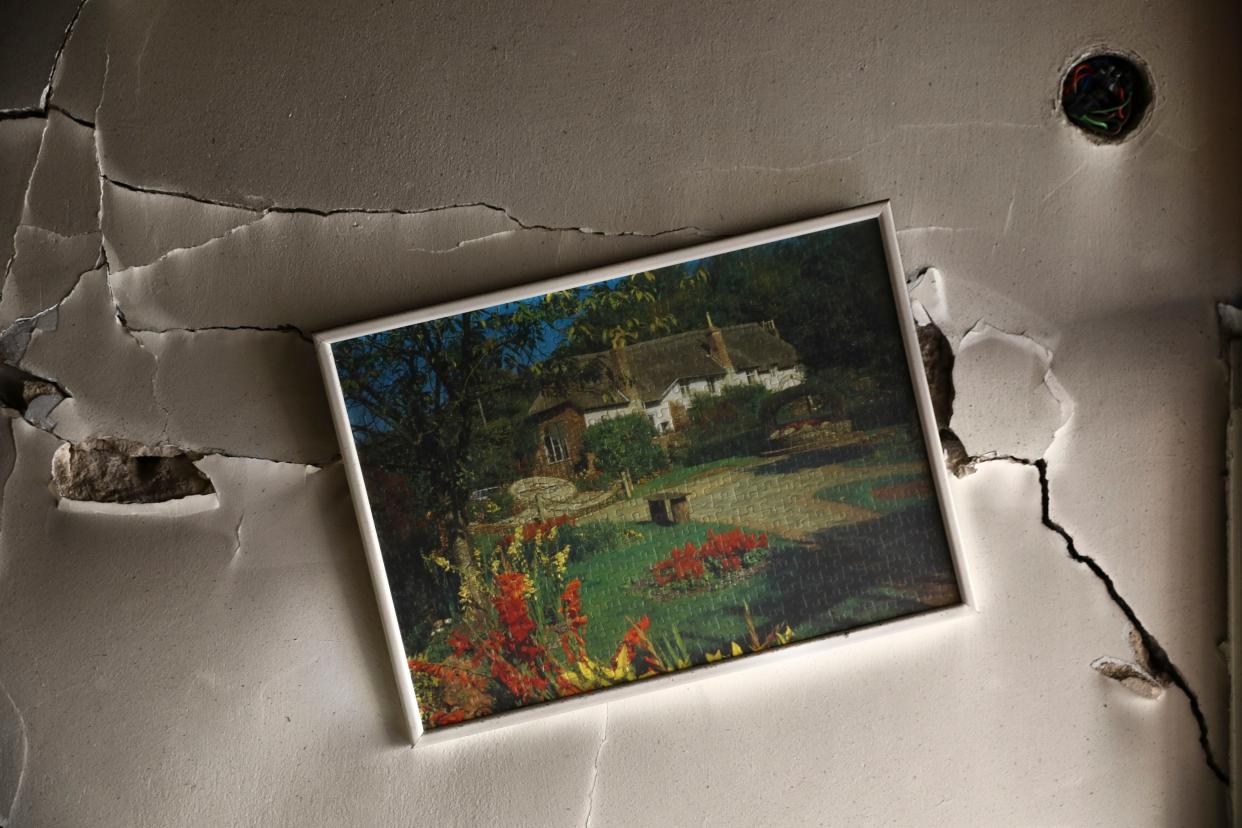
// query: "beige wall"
[[264, 164]]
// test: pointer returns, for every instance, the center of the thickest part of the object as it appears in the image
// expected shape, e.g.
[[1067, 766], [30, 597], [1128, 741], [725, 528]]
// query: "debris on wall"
[[29, 396], [108, 470], [938, 367], [1135, 675]]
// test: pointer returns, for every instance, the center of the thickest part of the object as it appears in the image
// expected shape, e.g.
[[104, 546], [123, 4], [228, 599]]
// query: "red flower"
[[511, 607], [572, 641]]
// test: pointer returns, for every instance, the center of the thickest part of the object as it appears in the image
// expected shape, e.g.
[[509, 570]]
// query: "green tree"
[[625, 444], [440, 406]]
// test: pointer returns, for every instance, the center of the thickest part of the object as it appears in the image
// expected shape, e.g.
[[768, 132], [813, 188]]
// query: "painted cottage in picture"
[[659, 378]]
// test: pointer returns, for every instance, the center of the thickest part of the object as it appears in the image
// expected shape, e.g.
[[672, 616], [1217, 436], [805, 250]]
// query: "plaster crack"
[[21, 114], [8, 265], [603, 737], [46, 100], [287, 329], [1159, 663], [268, 208], [155, 361], [1062, 183], [77, 119], [22, 731]]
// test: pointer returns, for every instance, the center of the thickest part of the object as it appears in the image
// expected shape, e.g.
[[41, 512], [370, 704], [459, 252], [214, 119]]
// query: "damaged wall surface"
[[188, 190]]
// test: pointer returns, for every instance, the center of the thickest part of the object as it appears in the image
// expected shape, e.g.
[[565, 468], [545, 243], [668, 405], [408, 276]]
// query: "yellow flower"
[[441, 561], [562, 561], [735, 650], [716, 656]]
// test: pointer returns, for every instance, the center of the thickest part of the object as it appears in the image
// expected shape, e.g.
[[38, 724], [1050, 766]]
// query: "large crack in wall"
[[939, 360]]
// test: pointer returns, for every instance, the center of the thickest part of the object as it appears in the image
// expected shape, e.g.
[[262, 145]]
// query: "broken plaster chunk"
[[1137, 676], [959, 461], [1130, 675], [1008, 400], [107, 470], [16, 337]]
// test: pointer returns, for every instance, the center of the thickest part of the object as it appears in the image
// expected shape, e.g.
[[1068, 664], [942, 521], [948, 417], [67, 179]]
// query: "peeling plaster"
[[354, 266], [997, 370], [1073, 247], [63, 195]]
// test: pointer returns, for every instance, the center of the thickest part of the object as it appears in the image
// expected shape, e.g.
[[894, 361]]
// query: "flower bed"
[[720, 556]]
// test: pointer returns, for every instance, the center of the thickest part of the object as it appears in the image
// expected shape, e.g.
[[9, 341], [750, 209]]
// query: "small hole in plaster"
[[1105, 95]]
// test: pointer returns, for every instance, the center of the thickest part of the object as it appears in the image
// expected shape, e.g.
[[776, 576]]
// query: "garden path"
[[776, 495]]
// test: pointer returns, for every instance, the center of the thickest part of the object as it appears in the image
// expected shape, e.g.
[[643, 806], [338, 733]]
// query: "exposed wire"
[[1103, 94]]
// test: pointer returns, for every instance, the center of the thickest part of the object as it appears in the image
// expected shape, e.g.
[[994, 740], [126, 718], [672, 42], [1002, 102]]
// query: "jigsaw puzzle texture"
[[647, 474]]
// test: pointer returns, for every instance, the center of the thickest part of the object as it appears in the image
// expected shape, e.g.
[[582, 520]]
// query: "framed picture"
[[603, 483]]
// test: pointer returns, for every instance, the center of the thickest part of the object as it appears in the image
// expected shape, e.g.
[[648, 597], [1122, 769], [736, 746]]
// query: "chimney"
[[716, 346], [621, 371], [770, 326]]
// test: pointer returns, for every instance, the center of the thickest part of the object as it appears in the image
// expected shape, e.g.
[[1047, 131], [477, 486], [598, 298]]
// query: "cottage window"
[[711, 385], [752, 376], [684, 385], [554, 447]]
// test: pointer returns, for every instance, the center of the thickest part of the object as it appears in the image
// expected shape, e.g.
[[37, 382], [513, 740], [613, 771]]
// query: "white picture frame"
[[880, 212]]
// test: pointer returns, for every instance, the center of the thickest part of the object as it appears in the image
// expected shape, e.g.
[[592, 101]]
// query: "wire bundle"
[[1101, 94]]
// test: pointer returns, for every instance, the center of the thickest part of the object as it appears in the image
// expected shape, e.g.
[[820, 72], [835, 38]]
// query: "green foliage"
[[728, 425], [827, 292], [586, 540], [625, 443], [737, 407]]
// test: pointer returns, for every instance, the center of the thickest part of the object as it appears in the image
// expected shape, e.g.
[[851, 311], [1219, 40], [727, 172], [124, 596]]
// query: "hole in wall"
[[1106, 95]]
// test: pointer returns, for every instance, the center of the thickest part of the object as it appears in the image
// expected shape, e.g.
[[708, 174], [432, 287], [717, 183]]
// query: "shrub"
[[736, 408], [591, 538], [729, 425], [625, 443]]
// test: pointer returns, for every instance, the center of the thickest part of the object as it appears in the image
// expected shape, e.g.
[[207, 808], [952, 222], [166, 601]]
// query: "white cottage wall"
[[256, 171]]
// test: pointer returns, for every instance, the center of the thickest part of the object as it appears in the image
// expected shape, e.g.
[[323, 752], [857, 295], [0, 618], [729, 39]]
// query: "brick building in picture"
[[659, 378]]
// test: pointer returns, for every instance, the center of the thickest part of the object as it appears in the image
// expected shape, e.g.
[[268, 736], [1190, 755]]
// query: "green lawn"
[[677, 476], [778, 594], [868, 493], [705, 620]]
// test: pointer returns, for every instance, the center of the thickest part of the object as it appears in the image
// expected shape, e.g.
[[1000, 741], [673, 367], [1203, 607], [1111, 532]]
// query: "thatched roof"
[[656, 364]]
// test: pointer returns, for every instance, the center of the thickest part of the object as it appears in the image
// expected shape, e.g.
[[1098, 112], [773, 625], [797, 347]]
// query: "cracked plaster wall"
[[187, 189]]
